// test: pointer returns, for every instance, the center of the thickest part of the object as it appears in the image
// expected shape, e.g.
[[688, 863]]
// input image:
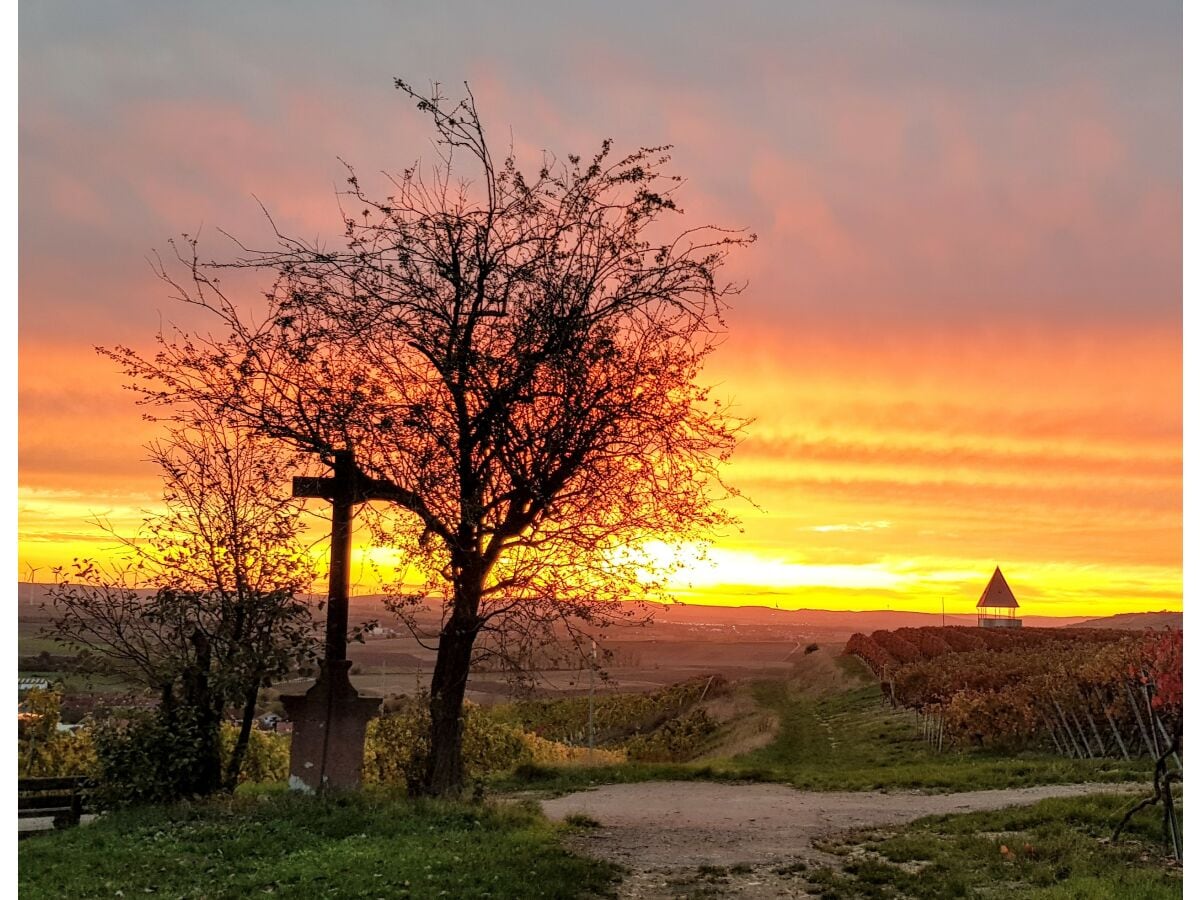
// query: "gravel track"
[[664, 832]]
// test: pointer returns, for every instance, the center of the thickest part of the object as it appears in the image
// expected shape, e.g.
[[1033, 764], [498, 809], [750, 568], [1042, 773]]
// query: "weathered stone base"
[[328, 756]]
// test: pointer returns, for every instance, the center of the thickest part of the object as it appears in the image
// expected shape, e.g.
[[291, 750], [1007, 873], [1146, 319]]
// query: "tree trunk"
[[234, 769], [444, 769], [204, 777]]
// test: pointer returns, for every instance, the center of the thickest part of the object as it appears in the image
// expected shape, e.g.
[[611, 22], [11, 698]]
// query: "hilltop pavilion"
[[997, 607]]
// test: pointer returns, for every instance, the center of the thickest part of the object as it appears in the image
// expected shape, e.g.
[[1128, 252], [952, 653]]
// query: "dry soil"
[[664, 833]]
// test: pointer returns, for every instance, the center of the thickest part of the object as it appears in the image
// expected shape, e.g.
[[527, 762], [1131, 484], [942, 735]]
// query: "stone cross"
[[330, 721]]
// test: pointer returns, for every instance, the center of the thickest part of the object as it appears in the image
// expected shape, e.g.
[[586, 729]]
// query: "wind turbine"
[[33, 570]]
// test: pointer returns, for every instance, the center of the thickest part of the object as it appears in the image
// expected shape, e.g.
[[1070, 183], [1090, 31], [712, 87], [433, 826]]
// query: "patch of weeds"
[[1054, 849], [791, 869], [873, 871], [532, 772], [838, 844], [686, 887], [712, 873], [741, 869], [581, 820], [910, 847]]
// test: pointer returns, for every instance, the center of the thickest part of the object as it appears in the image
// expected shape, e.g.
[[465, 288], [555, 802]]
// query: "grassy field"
[[833, 733], [364, 845], [851, 741], [1056, 849], [87, 682], [846, 740]]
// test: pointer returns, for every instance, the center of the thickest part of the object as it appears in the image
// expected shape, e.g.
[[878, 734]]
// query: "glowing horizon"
[[961, 340]]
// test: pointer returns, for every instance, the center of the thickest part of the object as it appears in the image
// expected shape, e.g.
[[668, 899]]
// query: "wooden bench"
[[59, 798]]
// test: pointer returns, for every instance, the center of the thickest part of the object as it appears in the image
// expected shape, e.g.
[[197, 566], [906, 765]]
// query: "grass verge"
[[1053, 849], [844, 741], [370, 844], [852, 741]]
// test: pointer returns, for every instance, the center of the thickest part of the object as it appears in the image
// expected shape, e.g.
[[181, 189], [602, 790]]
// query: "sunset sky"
[[961, 340]]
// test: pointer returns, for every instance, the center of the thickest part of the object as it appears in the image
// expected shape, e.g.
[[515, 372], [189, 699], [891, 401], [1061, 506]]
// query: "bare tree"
[[514, 358], [206, 608]]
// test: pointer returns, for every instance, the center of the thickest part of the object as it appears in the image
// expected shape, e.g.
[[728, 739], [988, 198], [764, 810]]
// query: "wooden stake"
[[1095, 730], [1116, 731], [1150, 718], [1067, 728], [1162, 729], [1138, 716], [1053, 736], [1083, 737]]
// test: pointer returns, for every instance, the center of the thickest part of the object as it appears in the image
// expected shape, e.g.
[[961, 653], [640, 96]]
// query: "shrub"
[[154, 758], [397, 746], [616, 717], [553, 753], [676, 740], [42, 750], [267, 755]]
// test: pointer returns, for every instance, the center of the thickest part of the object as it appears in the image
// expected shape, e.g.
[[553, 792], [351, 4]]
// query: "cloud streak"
[[963, 316]]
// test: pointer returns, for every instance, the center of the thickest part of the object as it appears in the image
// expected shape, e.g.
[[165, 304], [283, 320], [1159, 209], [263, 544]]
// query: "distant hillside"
[[848, 620], [834, 622], [1138, 621]]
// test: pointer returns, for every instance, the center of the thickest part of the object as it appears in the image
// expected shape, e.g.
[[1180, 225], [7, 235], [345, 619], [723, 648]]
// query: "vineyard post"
[[1054, 735], [1075, 735], [1083, 737], [1138, 716], [1162, 729], [1150, 718], [1113, 725], [1169, 814], [1067, 728], [1088, 713], [1162, 791], [1069, 747], [1169, 800]]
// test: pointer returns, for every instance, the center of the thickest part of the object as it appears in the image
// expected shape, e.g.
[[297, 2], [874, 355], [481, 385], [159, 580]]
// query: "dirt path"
[[664, 832]]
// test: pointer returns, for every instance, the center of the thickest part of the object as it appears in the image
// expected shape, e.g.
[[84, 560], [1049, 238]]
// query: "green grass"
[[31, 642], [1057, 849], [851, 741], [370, 844], [86, 682], [846, 741]]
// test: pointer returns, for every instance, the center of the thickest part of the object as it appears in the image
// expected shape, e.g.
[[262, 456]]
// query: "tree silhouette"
[[205, 609], [514, 357]]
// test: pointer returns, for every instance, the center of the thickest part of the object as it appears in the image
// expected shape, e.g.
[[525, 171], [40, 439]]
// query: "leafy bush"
[[616, 717], [152, 758], [397, 745], [676, 740], [42, 750], [554, 753], [267, 755]]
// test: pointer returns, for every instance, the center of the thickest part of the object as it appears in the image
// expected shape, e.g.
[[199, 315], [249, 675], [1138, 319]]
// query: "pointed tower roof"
[[998, 593]]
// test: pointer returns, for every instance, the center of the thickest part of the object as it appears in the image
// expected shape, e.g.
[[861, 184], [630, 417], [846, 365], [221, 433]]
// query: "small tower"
[[997, 607]]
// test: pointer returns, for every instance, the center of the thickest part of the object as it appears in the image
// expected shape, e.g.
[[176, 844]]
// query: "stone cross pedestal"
[[329, 723], [329, 729]]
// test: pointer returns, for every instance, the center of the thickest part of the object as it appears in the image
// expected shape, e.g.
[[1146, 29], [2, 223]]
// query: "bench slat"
[[51, 812], [69, 783], [49, 802]]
